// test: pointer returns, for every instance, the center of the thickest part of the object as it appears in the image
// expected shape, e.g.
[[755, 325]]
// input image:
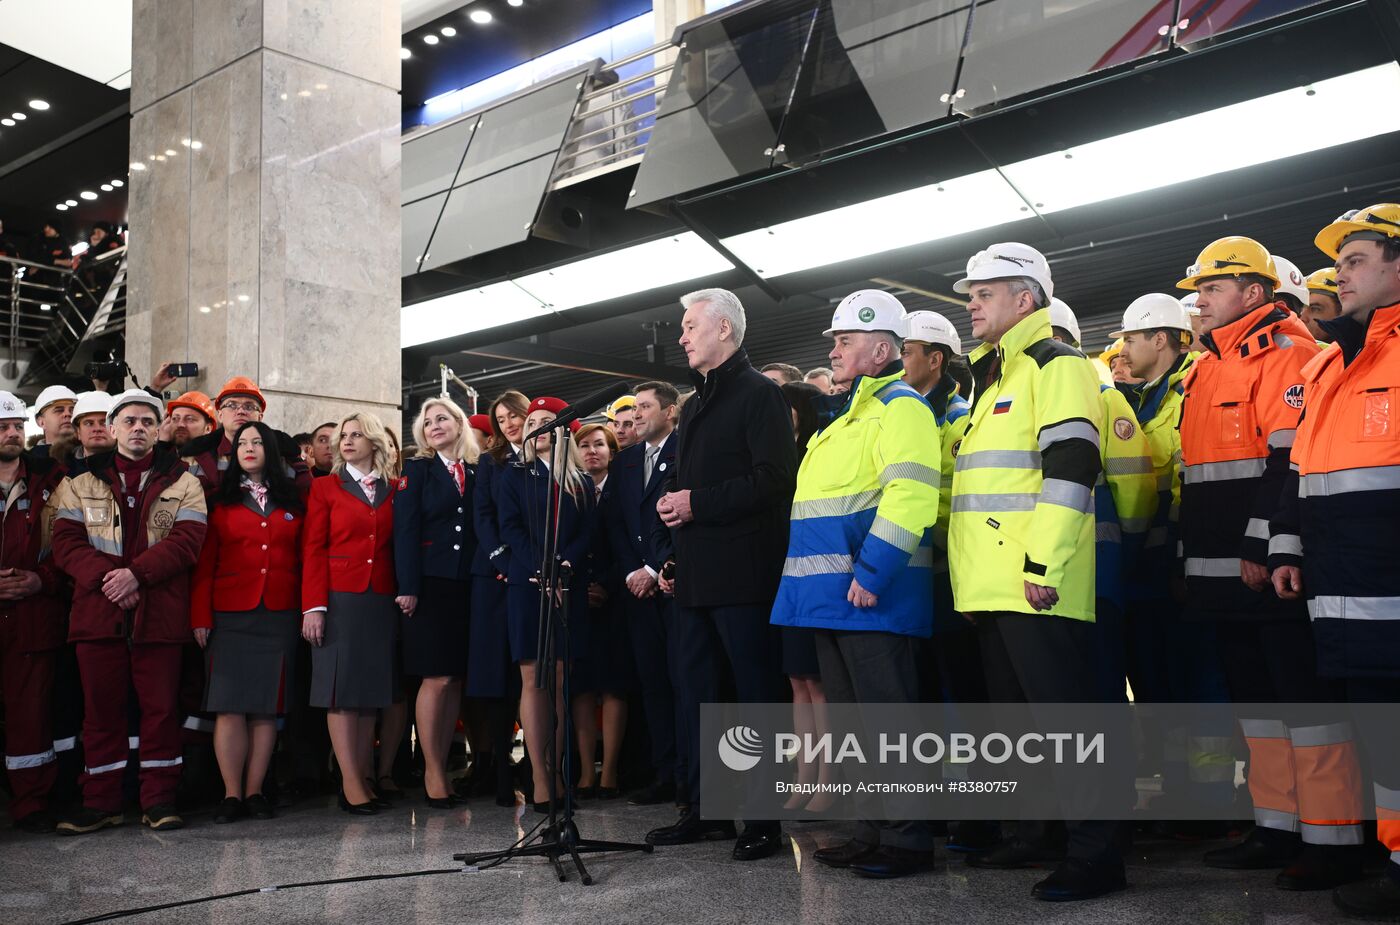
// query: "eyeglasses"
[[241, 406]]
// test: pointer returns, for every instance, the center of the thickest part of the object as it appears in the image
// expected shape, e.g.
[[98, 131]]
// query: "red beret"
[[480, 423], [553, 406]]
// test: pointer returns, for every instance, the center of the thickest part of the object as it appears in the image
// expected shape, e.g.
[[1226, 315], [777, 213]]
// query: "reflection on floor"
[[51, 879]]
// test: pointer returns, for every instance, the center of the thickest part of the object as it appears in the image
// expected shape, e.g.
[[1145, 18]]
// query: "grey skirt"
[[356, 667], [250, 661]]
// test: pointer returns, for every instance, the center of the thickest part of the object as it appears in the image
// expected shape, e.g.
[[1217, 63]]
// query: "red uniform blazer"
[[347, 545], [248, 558]]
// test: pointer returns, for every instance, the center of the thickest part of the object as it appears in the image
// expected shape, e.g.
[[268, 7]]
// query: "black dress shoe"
[[654, 794], [973, 836], [1377, 899], [842, 855], [691, 828], [1319, 868], [357, 809], [609, 793], [448, 802], [1260, 851], [39, 822], [758, 841], [260, 806], [230, 810], [585, 793], [1078, 879], [1014, 854], [887, 862]]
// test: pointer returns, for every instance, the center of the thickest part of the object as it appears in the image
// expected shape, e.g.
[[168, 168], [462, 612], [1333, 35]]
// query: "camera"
[[105, 371]]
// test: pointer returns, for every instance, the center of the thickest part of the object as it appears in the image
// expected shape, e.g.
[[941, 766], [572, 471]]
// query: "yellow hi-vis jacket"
[[1158, 410], [1023, 484], [866, 502]]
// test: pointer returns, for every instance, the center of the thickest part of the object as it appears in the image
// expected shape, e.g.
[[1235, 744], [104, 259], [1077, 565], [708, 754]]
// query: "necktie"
[[459, 475], [650, 463], [369, 482]]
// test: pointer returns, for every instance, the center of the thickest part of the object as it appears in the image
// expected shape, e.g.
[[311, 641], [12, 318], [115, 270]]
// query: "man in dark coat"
[[726, 503]]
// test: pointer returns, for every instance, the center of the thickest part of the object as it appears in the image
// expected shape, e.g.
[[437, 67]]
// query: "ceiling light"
[[481, 17], [430, 39], [45, 307], [120, 183], [62, 207], [87, 194], [448, 31], [622, 272], [405, 54], [467, 312], [106, 187], [18, 116], [516, 2], [1134, 162], [71, 202], [7, 121], [38, 105]]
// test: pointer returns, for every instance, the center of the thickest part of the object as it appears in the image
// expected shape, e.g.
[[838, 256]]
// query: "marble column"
[[264, 200]]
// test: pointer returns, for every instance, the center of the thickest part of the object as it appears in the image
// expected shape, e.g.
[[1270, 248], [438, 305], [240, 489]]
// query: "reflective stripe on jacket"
[[1023, 484], [866, 500]]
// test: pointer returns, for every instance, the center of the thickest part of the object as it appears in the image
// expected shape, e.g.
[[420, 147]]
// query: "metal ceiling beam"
[[120, 112], [579, 361]]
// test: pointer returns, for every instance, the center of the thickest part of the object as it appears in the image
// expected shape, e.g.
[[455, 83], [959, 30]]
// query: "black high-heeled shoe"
[[357, 809], [448, 802], [376, 796]]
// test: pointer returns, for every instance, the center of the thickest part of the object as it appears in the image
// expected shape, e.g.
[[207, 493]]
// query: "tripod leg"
[[583, 873]]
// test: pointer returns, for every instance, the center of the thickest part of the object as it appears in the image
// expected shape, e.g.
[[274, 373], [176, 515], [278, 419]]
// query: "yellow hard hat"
[[1377, 222], [1324, 280], [622, 404], [1113, 350], [1232, 256]]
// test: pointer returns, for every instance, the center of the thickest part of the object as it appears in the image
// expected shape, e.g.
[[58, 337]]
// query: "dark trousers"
[[875, 668], [26, 682], [110, 668], [714, 642], [649, 623], [1038, 658]]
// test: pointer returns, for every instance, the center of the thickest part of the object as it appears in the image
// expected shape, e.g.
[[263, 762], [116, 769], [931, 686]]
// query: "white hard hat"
[[92, 403], [1188, 302], [1155, 310], [52, 394], [11, 408], [1062, 316], [134, 397], [1006, 261], [932, 328], [1290, 279], [868, 310]]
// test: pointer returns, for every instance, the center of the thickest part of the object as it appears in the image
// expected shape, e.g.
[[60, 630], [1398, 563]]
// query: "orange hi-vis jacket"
[[1239, 415], [1343, 512]]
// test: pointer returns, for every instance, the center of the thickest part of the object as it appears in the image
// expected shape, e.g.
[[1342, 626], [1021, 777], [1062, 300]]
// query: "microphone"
[[589, 404]]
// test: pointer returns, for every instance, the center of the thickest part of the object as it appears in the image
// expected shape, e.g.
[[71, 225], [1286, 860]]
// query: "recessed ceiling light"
[[448, 31], [7, 121], [516, 2], [106, 187], [62, 207], [72, 202], [121, 183], [18, 116], [38, 105], [87, 194], [44, 307], [479, 16], [405, 54], [430, 39]]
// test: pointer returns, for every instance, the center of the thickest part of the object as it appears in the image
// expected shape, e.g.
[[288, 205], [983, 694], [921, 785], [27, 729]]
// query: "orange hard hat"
[[241, 385], [197, 401]]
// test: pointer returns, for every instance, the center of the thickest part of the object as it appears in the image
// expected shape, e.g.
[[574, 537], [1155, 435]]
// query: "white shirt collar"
[[449, 463], [359, 476]]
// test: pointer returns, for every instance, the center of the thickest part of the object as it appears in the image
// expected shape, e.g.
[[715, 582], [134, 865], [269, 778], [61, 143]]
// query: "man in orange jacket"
[[1337, 528], [1239, 417]]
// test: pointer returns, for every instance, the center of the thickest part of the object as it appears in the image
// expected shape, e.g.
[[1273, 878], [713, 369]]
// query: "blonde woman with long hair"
[[348, 611], [433, 547], [527, 491]]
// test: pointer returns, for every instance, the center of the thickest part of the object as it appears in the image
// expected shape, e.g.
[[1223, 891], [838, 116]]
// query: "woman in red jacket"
[[347, 598], [245, 610]]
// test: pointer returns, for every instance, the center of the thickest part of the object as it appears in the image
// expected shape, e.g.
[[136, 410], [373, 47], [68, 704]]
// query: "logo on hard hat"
[[866, 315], [1019, 261], [1295, 278]]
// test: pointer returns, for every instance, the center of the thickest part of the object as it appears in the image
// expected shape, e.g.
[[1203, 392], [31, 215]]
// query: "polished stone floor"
[[51, 879]]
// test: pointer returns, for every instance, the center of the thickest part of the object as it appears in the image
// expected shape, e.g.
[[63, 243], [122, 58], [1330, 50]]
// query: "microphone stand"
[[559, 837]]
